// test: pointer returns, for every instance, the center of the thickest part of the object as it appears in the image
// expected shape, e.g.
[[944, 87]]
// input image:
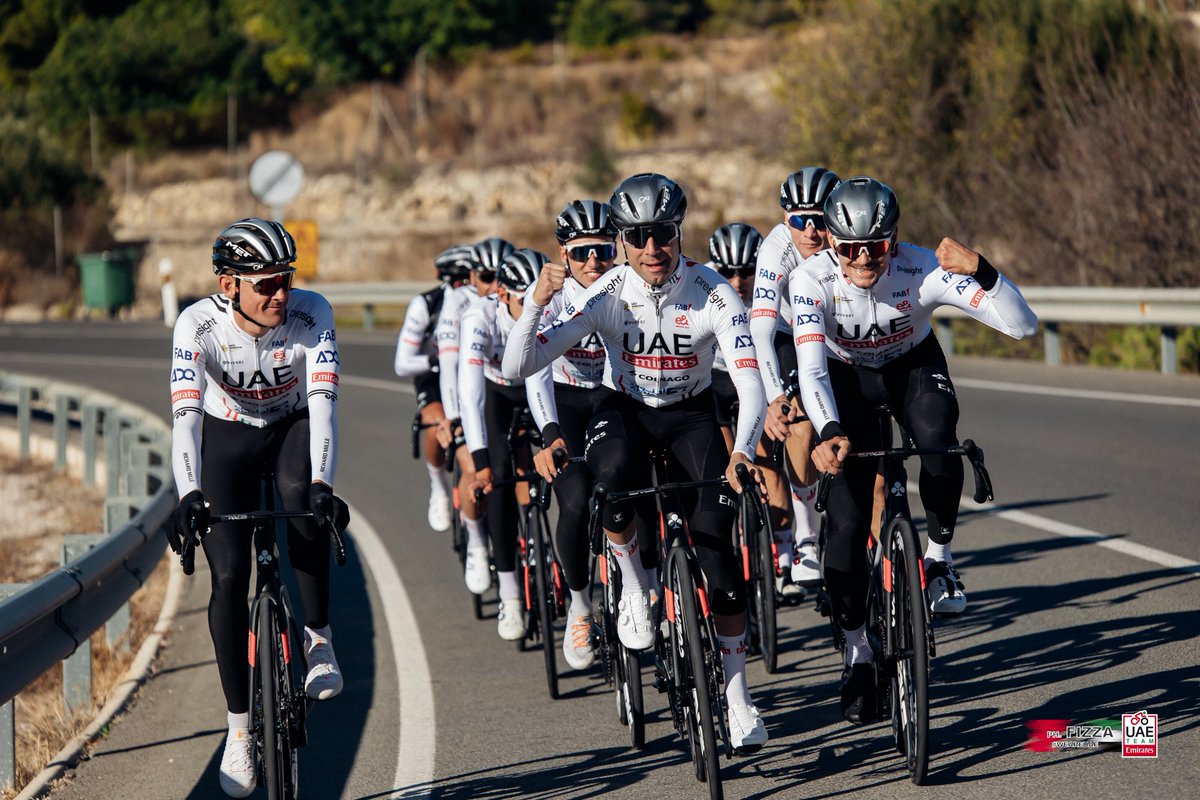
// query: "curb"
[[137, 674]]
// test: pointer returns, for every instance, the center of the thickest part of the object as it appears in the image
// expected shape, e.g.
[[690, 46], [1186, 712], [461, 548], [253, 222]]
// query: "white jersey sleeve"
[[475, 342], [446, 334], [732, 332], [187, 393], [769, 310], [410, 360], [323, 364], [1002, 307], [816, 391]]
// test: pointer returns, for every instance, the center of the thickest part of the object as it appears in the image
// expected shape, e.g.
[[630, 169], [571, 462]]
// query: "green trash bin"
[[107, 280]]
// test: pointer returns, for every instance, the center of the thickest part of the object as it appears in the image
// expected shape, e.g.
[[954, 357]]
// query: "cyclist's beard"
[[237, 306]]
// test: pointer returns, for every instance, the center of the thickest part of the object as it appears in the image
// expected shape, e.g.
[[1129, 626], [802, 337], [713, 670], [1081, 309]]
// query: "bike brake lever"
[[983, 481], [822, 492]]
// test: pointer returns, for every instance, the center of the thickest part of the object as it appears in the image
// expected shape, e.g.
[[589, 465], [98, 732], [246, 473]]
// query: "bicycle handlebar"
[[187, 559], [417, 427], [968, 449]]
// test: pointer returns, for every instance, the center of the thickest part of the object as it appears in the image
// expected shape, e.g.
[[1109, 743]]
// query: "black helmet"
[[584, 218], [735, 245], [490, 253], [253, 244], [807, 189], [862, 209], [454, 263], [520, 268], [647, 198]]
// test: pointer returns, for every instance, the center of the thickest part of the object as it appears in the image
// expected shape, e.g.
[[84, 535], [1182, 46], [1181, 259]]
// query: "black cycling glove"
[[191, 517], [320, 502]]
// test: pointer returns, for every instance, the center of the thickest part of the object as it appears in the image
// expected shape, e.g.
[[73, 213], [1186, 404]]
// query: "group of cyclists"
[[774, 354]]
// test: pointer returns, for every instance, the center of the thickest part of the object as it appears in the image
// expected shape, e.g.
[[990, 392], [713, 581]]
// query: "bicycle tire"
[[699, 705], [544, 585], [635, 708], [762, 573], [908, 632], [279, 758]]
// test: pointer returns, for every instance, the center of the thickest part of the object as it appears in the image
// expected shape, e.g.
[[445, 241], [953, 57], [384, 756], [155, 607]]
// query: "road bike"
[[899, 620], [279, 705]]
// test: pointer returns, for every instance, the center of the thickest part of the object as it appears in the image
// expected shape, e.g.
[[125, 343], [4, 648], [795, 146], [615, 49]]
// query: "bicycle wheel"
[[701, 723], [279, 758], [762, 576], [631, 689], [908, 632], [539, 532]]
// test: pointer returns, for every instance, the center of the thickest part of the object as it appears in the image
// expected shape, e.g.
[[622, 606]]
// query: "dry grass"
[[43, 725]]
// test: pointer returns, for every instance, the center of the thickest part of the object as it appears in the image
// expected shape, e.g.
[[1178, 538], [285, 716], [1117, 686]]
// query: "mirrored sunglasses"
[[802, 221], [875, 250], [486, 276], [582, 252], [741, 272], [267, 285], [661, 232]]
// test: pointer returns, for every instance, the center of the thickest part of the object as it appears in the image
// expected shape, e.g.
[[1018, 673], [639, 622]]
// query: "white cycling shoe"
[[510, 622], [806, 566], [439, 512], [633, 620], [478, 575], [943, 588], [577, 644], [746, 729], [237, 764], [324, 679]]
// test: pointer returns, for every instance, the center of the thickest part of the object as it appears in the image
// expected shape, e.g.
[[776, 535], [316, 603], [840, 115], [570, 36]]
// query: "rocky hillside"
[[397, 172]]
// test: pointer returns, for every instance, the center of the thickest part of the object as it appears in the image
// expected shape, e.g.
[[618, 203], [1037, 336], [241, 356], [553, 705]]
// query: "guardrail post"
[[77, 667], [945, 335], [62, 406], [1170, 358], [368, 316], [119, 510], [1053, 354], [8, 729], [117, 627], [89, 425], [112, 451], [24, 418]]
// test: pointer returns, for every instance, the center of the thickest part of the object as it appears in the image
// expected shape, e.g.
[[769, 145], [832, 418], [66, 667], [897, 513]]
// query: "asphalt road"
[[1083, 605]]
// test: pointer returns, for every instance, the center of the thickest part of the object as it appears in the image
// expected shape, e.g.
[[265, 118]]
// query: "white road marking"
[[1085, 394], [418, 734]]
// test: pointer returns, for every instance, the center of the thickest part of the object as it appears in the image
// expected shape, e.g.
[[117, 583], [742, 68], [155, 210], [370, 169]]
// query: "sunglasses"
[[802, 221], [660, 232], [582, 252], [741, 272], [486, 276], [268, 285], [875, 250]]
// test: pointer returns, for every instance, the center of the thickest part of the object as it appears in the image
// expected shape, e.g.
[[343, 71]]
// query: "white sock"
[[783, 544], [633, 575], [509, 589], [439, 480], [581, 604], [238, 720], [858, 650], [475, 533], [733, 659], [806, 520], [324, 634], [938, 552]]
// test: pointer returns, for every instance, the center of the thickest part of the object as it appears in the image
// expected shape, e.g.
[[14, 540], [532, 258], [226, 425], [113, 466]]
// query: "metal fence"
[[53, 619], [1170, 309]]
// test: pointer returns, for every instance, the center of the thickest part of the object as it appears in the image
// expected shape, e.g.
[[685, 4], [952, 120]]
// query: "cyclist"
[[659, 316], [863, 337], [802, 233], [485, 257], [416, 357], [733, 250], [489, 402], [254, 385], [563, 398]]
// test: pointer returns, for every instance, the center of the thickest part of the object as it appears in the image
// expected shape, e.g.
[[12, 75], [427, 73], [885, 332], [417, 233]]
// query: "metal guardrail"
[[1169, 308], [44, 622]]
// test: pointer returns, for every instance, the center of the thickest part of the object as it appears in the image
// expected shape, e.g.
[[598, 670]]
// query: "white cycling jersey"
[[771, 309], [581, 366], [658, 340], [486, 327], [870, 327], [219, 369], [446, 335], [417, 347]]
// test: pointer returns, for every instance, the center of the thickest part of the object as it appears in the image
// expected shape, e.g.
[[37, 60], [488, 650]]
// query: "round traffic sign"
[[276, 177]]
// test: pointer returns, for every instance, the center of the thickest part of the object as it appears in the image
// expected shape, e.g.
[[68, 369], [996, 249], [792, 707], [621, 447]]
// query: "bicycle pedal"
[[747, 750]]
